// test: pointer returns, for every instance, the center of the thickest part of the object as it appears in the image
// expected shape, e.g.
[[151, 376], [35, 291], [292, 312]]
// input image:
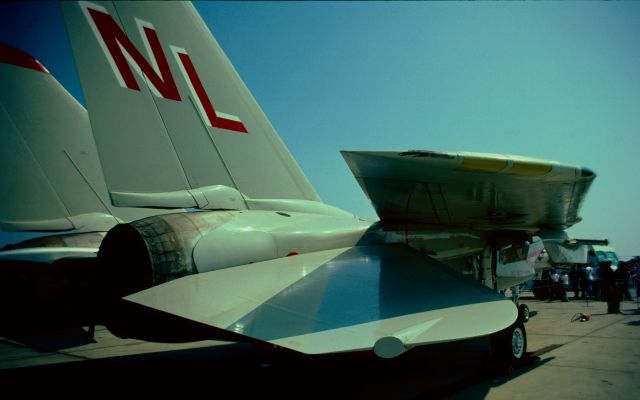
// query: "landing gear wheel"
[[523, 313], [509, 346]]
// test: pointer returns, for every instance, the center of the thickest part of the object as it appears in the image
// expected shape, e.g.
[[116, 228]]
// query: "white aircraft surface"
[[50, 174], [257, 256]]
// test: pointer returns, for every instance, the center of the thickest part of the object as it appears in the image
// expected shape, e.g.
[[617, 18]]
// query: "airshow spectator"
[[609, 289], [565, 286], [573, 280], [582, 281], [589, 280], [621, 276], [577, 281], [554, 279]]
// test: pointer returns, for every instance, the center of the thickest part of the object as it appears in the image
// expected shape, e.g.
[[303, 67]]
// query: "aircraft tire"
[[509, 346]]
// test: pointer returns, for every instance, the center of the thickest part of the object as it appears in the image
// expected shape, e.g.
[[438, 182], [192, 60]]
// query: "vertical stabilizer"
[[49, 171], [50, 175], [174, 124]]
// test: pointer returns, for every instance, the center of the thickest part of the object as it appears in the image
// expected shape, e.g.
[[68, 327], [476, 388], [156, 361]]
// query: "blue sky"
[[553, 80]]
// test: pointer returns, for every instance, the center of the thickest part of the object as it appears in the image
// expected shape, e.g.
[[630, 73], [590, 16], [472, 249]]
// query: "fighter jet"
[[257, 256]]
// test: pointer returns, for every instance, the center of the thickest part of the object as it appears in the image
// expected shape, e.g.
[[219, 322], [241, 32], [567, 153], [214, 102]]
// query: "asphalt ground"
[[595, 359]]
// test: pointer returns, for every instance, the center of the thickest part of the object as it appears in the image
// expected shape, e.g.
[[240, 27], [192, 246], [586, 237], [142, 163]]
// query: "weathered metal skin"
[[152, 250], [159, 249], [83, 239]]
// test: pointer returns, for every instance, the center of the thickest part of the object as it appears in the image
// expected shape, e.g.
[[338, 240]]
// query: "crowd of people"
[[601, 282]]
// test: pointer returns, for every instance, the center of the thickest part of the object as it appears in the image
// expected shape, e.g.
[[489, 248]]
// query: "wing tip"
[[587, 173]]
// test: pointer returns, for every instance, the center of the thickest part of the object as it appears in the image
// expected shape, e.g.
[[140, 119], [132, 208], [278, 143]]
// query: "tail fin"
[[50, 176], [174, 124], [48, 163]]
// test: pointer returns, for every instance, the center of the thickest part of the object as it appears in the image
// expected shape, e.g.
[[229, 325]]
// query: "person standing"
[[565, 286], [582, 282], [554, 279], [609, 288], [590, 277], [622, 275], [574, 281]]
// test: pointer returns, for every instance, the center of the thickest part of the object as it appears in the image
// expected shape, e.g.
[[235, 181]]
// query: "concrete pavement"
[[595, 359]]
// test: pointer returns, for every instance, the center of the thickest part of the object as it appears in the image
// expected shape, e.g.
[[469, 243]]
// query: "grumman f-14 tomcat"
[[257, 256]]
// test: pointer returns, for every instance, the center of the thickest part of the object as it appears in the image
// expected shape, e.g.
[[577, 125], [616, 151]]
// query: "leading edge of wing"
[[473, 190], [340, 300]]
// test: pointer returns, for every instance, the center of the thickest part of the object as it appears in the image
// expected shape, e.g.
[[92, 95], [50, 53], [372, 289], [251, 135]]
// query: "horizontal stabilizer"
[[471, 190], [386, 298]]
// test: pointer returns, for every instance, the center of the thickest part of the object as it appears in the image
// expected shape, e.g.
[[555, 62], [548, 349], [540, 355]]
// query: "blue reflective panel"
[[362, 285]]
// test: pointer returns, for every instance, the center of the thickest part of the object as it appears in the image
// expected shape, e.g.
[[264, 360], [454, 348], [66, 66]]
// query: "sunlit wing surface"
[[472, 190], [191, 125], [359, 298]]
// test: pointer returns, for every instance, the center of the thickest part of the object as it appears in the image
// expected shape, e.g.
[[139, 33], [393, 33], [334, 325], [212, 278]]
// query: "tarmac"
[[598, 358], [595, 359]]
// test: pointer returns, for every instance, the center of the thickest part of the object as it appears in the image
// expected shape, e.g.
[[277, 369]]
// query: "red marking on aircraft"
[[15, 56], [216, 121], [117, 42], [114, 37]]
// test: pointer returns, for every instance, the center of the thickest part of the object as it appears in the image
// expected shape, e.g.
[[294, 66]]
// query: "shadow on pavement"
[[243, 370]]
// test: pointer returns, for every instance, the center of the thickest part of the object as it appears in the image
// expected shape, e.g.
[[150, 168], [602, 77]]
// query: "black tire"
[[523, 313], [509, 346]]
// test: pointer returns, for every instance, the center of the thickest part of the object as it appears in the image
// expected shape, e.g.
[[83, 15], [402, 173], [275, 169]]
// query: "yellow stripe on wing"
[[527, 168], [482, 164]]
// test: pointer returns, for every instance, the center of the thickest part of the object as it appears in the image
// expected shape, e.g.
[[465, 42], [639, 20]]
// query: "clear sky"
[[553, 80]]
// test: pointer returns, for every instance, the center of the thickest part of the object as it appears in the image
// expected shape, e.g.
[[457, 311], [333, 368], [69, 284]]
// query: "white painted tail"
[[174, 124]]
